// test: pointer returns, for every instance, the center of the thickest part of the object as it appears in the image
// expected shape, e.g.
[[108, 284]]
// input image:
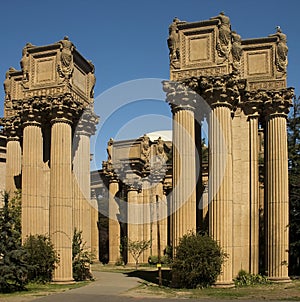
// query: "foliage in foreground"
[[246, 279], [13, 267], [81, 258], [42, 258], [198, 261]]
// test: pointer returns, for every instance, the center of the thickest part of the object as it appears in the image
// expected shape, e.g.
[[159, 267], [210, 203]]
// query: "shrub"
[[81, 258], [41, 256], [13, 268], [136, 248], [246, 279], [198, 261]]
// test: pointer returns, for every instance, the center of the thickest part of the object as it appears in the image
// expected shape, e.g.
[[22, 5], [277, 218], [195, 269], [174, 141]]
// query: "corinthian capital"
[[11, 127], [222, 90], [278, 102], [252, 102], [180, 96], [87, 123]]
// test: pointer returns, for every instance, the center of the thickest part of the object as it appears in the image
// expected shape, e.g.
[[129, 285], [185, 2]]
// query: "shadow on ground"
[[151, 276]]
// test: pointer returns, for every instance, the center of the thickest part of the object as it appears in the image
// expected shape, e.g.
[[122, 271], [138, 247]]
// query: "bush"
[[13, 268], [41, 256], [81, 258], [198, 261], [245, 279]]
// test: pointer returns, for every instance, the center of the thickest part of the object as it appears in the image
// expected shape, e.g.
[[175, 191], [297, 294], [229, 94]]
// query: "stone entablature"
[[49, 71], [212, 48]]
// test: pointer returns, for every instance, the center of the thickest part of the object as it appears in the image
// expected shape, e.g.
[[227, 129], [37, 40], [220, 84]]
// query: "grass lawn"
[[39, 290], [149, 287]]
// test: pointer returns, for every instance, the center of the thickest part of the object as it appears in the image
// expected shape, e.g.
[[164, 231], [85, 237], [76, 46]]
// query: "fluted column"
[[276, 184], [61, 214], [252, 106], [13, 159], [94, 226], [34, 216], [221, 93], [113, 223], [81, 170], [182, 101]]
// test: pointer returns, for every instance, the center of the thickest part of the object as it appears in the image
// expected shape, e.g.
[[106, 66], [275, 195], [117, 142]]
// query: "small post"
[[158, 246]]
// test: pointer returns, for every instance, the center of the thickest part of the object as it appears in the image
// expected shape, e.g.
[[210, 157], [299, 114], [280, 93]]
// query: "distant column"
[[277, 197], [61, 204], [182, 101], [113, 223]]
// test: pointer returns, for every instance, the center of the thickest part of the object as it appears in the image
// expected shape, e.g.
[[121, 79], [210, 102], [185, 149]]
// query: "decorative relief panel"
[[258, 63], [197, 48], [45, 70]]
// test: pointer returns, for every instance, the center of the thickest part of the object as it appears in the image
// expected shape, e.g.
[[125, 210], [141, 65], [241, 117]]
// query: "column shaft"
[[13, 165], [61, 214], [113, 224], [184, 172], [254, 196], [220, 185], [34, 216], [82, 206], [277, 198]]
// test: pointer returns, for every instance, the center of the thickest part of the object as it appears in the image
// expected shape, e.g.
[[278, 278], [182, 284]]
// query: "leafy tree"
[[136, 248], [40, 254], [13, 268], [294, 186], [197, 262], [82, 258]]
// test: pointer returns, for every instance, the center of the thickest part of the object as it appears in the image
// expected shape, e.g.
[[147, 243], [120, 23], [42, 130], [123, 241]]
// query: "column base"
[[280, 280], [224, 284], [63, 282]]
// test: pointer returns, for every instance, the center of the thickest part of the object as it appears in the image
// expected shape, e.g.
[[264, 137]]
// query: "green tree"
[[81, 258], [13, 268], [294, 186], [41, 256], [197, 262], [136, 248]]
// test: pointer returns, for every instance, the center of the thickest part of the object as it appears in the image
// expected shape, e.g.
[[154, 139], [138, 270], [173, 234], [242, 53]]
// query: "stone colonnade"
[[266, 108], [65, 205]]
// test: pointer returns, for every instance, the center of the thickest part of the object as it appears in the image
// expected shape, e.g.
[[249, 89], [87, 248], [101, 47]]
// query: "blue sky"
[[126, 40]]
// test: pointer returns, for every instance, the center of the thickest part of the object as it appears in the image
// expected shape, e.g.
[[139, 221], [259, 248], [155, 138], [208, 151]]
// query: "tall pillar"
[[113, 223], [221, 98], [252, 108], [61, 222], [13, 160], [276, 184], [182, 101], [34, 217]]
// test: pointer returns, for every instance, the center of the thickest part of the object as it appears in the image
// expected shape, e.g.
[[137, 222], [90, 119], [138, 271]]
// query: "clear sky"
[[126, 40]]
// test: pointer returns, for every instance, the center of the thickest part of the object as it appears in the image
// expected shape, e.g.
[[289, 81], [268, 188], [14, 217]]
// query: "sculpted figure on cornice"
[[145, 151], [236, 52], [92, 79], [7, 84], [173, 44], [281, 50], [109, 150], [65, 68], [25, 62], [224, 39]]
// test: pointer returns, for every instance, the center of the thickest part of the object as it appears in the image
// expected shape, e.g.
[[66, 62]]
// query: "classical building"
[[153, 188], [239, 87], [48, 120]]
